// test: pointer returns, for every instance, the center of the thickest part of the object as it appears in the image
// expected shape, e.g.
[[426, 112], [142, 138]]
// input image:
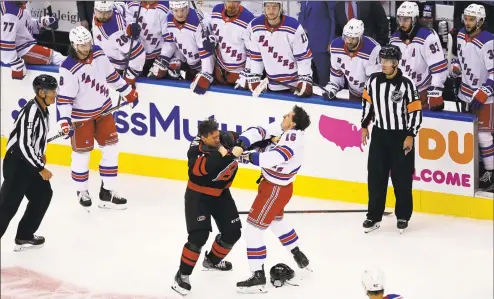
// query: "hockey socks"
[[256, 250], [219, 250], [486, 145], [287, 235], [190, 255]]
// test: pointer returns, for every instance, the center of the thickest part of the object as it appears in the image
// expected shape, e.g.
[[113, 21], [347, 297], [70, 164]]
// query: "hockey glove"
[[66, 127], [228, 138], [132, 98], [242, 79], [48, 22], [18, 69], [304, 86], [479, 97], [435, 97], [174, 68], [253, 80], [201, 83], [455, 68], [331, 89], [130, 77], [134, 30], [158, 70]]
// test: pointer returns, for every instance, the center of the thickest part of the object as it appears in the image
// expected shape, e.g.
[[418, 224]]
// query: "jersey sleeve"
[[336, 74], [169, 46], [414, 109], [256, 64], [114, 79], [367, 104], [373, 65], [434, 57], [9, 27], [256, 134], [246, 38], [207, 58], [281, 153], [302, 53], [488, 59], [68, 89]]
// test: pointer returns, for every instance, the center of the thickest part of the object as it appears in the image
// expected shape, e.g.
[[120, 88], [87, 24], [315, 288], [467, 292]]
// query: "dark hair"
[[301, 118], [207, 127]]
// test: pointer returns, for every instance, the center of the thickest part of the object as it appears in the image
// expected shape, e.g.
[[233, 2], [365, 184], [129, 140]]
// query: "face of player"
[[180, 14], [102, 16], [388, 65], [232, 8], [470, 23], [351, 42], [49, 96], [287, 122], [212, 140], [405, 23], [272, 11], [83, 51]]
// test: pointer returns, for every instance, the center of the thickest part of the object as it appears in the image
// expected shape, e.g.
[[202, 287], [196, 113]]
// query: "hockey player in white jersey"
[[475, 65], [113, 36], [279, 164], [153, 22], [373, 282], [423, 57], [354, 57], [230, 28], [17, 45], [185, 33], [279, 46], [86, 77]]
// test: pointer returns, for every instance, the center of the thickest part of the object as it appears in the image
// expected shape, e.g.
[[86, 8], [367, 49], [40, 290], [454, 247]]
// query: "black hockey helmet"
[[390, 52], [280, 273], [44, 82]]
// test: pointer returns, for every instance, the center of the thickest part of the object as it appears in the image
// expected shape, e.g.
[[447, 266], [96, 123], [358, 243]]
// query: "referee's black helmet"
[[44, 82], [390, 52]]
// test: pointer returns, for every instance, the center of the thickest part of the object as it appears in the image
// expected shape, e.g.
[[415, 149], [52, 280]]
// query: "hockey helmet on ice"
[[373, 280], [390, 52], [80, 36], [354, 28], [280, 273], [104, 5], [44, 81]]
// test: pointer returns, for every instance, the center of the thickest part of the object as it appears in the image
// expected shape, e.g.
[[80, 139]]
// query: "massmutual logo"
[[22, 102]]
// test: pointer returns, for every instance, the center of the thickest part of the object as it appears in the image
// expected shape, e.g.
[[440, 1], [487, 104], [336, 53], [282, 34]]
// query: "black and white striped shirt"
[[30, 133], [393, 104]]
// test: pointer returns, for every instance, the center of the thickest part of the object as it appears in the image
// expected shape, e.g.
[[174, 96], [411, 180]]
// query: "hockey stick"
[[50, 14], [127, 62], [320, 212], [80, 124], [264, 84]]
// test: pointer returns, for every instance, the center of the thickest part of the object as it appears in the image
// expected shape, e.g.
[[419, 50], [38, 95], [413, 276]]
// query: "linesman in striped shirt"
[[24, 169], [392, 101]]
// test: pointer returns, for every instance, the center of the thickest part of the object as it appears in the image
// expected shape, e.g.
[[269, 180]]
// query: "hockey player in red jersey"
[[373, 282], [17, 45], [475, 65], [86, 77]]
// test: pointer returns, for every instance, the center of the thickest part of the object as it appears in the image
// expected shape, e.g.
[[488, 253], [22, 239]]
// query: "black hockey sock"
[[190, 255], [219, 250]]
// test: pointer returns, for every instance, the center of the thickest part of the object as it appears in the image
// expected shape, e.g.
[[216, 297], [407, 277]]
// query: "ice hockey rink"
[[135, 253]]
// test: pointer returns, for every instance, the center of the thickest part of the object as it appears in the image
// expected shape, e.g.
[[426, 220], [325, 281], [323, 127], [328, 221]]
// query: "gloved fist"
[[174, 68], [253, 81], [436, 101], [479, 97], [66, 127], [132, 98], [304, 86], [158, 70], [228, 138], [331, 89], [242, 79], [201, 83], [48, 22], [18, 69], [130, 77], [455, 68], [134, 30]]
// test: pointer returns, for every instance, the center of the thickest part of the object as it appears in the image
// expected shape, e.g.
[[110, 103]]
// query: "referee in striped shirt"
[[392, 101], [24, 169]]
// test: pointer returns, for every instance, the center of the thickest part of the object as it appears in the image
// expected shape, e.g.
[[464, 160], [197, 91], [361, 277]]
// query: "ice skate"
[[255, 284], [300, 258], [111, 200], [402, 225], [84, 199], [221, 266], [35, 243], [370, 225], [181, 284], [487, 181]]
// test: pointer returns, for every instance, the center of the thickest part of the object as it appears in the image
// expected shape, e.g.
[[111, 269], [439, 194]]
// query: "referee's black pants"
[[21, 180], [386, 154]]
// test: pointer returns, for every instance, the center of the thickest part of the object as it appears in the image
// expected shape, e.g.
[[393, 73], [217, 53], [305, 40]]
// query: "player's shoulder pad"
[[133, 4], [485, 37], [369, 44], [192, 18], [114, 24], [291, 23], [259, 21], [424, 33], [246, 15], [169, 17], [70, 64], [218, 7], [338, 45], [163, 6], [9, 8]]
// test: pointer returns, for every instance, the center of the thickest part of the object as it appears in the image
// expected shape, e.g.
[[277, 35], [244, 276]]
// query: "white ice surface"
[[137, 251]]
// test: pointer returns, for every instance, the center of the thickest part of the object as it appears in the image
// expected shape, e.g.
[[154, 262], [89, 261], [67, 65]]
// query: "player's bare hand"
[[237, 151], [408, 144], [46, 174], [275, 139], [223, 151], [365, 136]]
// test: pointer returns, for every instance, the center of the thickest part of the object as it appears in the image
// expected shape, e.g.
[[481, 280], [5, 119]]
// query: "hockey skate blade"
[[215, 270], [111, 206], [179, 290], [25, 247], [371, 229], [252, 290]]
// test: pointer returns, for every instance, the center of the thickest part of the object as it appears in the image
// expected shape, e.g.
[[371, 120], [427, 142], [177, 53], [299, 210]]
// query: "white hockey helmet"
[[475, 10], [354, 28], [373, 280], [408, 9], [104, 5], [80, 36], [178, 4]]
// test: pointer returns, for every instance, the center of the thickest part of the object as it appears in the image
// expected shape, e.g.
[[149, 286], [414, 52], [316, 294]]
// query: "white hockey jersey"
[[84, 86], [279, 163], [153, 21], [282, 51], [111, 36], [356, 66], [423, 59], [233, 37], [187, 38], [476, 57], [16, 32]]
